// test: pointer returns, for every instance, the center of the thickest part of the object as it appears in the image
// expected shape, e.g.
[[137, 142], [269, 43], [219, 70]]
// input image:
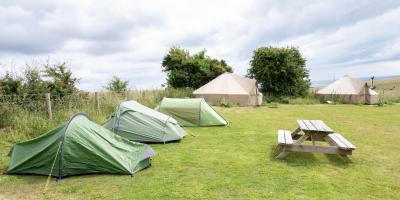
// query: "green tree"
[[55, 78], [193, 71], [61, 82], [11, 84], [117, 85], [280, 71], [33, 82]]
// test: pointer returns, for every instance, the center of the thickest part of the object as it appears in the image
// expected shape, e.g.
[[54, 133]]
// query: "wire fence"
[[96, 101], [38, 103]]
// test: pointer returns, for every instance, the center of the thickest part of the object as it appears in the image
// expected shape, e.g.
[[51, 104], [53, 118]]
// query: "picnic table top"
[[314, 126]]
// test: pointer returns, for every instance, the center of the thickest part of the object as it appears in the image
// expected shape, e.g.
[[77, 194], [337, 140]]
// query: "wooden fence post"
[[96, 94], [48, 103], [126, 95]]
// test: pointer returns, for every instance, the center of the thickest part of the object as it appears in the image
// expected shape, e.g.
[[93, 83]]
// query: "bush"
[[380, 103], [6, 115], [117, 85], [272, 105], [304, 101], [310, 98], [225, 104]]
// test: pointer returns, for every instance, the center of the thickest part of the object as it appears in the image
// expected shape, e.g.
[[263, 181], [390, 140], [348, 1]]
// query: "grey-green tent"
[[79, 146], [191, 112], [137, 122]]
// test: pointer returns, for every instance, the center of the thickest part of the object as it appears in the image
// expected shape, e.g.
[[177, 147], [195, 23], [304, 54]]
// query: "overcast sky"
[[129, 38]]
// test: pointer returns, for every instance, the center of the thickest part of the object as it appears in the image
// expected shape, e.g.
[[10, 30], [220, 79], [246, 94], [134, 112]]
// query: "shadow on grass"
[[306, 159], [35, 178], [336, 160]]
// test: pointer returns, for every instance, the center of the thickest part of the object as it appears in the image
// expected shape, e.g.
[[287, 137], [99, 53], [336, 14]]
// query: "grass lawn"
[[237, 162]]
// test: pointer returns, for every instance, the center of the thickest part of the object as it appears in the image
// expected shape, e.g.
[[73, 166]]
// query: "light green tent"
[[137, 122], [79, 147], [191, 112]]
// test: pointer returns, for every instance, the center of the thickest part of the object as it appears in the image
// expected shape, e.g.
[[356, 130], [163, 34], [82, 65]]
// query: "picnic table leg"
[[282, 153], [302, 139], [295, 132], [345, 157], [312, 139]]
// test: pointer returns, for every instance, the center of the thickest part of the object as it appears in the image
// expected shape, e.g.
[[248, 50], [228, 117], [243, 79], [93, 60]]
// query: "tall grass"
[[310, 98], [23, 118]]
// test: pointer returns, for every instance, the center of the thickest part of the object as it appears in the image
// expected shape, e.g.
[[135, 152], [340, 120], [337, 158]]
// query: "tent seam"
[[63, 140]]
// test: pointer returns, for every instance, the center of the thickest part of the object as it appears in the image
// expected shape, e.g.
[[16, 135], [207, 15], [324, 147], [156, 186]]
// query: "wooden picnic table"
[[313, 130]]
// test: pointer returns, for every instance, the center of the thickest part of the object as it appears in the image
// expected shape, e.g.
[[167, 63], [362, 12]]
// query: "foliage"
[[6, 114], [310, 98], [304, 100], [272, 105], [280, 71], [11, 84], [193, 71], [380, 103], [33, 82], [117, 85], [225, 104], [61, 81], [26, 115], [56, 79]]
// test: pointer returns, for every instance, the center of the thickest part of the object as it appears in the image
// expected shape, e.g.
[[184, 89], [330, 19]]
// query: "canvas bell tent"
[[137, 122], [349, 90], [191, 112], [231, 88], [79, 146]]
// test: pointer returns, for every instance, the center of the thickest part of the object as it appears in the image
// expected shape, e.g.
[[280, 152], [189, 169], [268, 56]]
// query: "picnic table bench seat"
[[340, 141], [285, 137]]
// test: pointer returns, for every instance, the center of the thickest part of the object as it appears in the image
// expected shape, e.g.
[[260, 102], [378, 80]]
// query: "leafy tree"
[[61, 81], [33, 82], [11, 84], [193, 71], [117, 85], [280, 71]]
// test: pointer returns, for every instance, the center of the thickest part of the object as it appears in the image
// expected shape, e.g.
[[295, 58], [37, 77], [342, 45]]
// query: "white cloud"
[[129, 38]]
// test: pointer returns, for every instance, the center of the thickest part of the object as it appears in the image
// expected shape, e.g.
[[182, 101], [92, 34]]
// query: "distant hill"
[[389, 88]]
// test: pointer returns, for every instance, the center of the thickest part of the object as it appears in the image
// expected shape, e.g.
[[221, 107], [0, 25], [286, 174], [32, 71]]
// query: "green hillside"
[[389, 88]]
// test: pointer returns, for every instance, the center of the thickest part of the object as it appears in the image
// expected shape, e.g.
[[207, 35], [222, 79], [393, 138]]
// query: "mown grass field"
[[237, 162]]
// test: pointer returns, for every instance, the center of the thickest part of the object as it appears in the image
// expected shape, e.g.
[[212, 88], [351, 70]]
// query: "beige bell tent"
[[230, 88], [349, 90]]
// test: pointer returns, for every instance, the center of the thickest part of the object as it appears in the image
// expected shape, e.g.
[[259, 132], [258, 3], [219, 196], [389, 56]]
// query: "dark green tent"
[[137, 122], [79, 147], [191, 112]]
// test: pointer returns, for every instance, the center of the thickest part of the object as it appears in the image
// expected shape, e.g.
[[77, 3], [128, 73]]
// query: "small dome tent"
[[79, 146], [231, 88], [137, 122], [191, 112], [349, 90]]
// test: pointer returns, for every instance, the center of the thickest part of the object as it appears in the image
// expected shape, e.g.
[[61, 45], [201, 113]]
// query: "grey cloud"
[[291, 19], [130, 38], [30, 30]]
